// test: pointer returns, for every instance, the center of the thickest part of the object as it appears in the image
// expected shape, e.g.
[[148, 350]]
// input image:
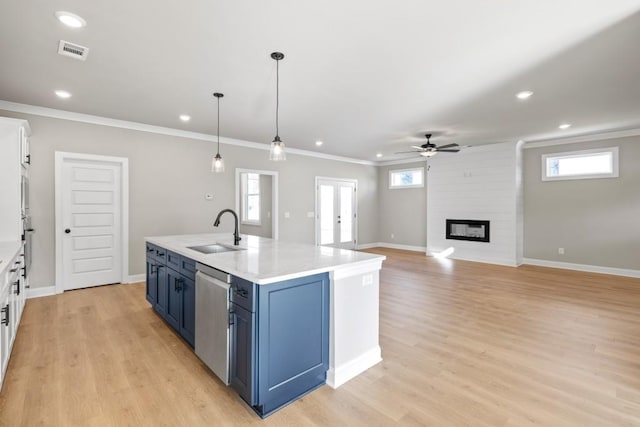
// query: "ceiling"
[[364, 76]]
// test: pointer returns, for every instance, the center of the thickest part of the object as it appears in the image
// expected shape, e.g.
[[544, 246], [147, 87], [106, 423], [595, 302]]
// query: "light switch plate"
[[208, 196], [287, 215], [310, 215]]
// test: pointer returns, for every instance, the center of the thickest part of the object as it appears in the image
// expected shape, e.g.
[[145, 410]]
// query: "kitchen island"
[[345, 282]]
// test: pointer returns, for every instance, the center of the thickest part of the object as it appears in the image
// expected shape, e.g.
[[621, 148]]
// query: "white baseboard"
[[41, 292], [336, 376], [583, 267], [136, 278], [368, 245], [392, 246]]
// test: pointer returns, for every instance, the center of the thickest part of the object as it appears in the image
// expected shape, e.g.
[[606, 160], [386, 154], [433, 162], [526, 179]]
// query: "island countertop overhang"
[[264, 261]]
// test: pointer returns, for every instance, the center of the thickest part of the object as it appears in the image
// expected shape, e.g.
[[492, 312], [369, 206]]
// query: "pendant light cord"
[[218, 125], [277, 93]]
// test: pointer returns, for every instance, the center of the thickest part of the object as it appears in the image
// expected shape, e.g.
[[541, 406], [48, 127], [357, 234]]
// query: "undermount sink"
[[215, 248]]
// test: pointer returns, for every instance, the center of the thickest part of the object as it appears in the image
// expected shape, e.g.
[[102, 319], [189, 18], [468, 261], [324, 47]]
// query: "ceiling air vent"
[[73, 50]]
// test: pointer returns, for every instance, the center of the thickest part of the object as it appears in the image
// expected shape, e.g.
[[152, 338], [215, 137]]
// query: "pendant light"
[[217, 164], [277, 146]]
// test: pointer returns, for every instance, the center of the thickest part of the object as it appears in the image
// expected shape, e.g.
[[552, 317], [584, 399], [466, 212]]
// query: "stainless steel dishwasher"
[[212, 332]]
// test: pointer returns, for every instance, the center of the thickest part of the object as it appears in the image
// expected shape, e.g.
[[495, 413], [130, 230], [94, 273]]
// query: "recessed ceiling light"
[[63, 94], [70, 19], [565, 126], [524, 94], [319, 143], [185, 118], [379, 155]]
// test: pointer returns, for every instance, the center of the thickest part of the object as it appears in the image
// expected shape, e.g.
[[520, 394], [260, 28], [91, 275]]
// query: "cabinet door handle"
[[178, 284], [28, 159], [5, 321], [154, 268], [17, 285]]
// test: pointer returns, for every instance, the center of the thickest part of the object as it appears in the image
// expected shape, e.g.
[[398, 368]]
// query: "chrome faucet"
[[236, 235]]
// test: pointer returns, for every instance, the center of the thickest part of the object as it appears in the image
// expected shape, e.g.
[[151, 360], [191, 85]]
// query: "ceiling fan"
[[430, 150]]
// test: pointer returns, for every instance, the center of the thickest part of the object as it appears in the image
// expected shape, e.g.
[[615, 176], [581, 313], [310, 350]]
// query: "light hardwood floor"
[[463, 344]]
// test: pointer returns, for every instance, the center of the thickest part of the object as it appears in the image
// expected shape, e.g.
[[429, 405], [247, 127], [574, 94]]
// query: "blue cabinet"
[[171, 289], [152, 281], [243, 354], [187, 323], [280, 350], [172, 316]]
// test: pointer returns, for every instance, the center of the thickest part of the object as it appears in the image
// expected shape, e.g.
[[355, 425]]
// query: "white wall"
[[482, 183]]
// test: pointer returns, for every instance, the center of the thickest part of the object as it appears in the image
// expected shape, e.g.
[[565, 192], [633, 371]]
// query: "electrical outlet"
[[367, 280], [560, 251], [392, 236], [287, 215]]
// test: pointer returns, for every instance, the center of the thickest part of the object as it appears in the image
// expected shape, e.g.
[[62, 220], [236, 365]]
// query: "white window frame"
[[614, 169], [245, 198], [396, 187]]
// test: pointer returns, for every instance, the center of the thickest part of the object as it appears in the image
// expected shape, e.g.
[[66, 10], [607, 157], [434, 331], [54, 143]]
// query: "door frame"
[[123, 162], [355, 209], [274, 196]]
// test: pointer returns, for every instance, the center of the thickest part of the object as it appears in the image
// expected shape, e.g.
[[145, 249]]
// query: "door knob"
[[67, 230]]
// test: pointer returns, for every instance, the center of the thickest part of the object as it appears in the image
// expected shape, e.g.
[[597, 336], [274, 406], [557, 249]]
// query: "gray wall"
[[169, 177], [595, 220], [265, 229], [403, 212]]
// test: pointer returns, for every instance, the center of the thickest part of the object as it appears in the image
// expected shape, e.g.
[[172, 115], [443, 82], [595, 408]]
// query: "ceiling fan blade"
[[402, 152], [417, 147], [448, 146], [455, 150]]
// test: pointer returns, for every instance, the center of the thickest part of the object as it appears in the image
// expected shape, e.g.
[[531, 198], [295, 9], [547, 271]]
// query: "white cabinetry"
[[14, 213], [12, 299]]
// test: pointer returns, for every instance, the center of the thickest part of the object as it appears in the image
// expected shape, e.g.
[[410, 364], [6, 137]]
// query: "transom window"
[[251, 198], [585, 164], [406, 178]]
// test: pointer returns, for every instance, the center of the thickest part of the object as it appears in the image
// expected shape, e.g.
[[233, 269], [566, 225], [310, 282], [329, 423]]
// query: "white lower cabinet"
[[12, 300]]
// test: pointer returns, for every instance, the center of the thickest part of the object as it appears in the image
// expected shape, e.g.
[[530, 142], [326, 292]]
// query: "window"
[[406, 178], [585, 164], [251, 198]]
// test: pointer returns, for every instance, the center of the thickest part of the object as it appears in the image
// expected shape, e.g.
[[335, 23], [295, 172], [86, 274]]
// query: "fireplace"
[[468, 229]]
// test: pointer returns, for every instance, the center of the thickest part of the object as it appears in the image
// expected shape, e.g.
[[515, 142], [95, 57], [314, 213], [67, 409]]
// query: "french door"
[[336, 213]]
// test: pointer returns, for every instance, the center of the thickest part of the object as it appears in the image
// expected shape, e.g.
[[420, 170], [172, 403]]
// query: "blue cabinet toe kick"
[[269, 408]]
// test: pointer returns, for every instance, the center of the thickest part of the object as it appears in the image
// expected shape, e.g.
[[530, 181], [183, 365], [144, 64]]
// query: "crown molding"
[[142, 127], [402, 161], [595, 136]]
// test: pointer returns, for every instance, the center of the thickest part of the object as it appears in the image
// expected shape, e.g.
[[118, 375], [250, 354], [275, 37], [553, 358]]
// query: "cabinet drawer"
[[173, 260], [151, 251], [188, 267], [242, 292], [161, 254]]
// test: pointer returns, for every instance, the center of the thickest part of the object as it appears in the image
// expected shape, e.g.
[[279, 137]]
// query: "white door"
[[336, 216], [91, 221]]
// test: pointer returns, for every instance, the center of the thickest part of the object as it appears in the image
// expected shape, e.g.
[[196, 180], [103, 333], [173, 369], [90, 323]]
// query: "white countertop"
[[8, 251], [265, 260]]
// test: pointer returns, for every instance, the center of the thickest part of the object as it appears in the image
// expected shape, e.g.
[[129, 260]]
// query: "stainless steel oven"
[[24, 195], [27, 232]]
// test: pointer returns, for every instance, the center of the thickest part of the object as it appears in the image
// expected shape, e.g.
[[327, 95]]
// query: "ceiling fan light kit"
[[429, 150], [277, 153], [217, 164]]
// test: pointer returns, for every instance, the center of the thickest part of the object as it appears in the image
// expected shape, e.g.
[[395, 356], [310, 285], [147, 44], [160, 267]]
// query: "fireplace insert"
[[468, 229]]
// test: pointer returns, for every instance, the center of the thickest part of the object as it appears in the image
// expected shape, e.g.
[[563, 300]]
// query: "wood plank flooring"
[[463, 344]]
